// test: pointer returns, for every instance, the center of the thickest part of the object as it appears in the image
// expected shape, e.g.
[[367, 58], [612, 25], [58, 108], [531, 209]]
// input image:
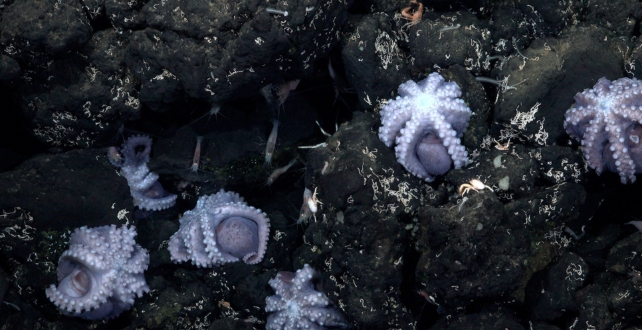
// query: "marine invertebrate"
[[284, 90], [297, 305], [215, 110], [305, 213], [132, 159], [607, 120], [275, 96], [276, 11], [277, 173], [197, 154], [426, 121], [313, 201], [636, 276], [100, 274], [475, 185], [310, 205], [271, 143], [221, 228], [413, 13]]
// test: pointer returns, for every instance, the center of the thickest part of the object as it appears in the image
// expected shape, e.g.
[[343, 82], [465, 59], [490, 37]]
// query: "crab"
[[313, 201], [502, 147], [413, 13], [475, 185]]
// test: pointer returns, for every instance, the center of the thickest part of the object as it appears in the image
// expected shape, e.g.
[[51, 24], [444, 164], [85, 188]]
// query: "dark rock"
[[86, 97], [83, 186], [499, 319], [555, 70], [548, 18], [9, 68], [367, 170], [560, 164], [54, 28], [443, 42], [213, 54], [594, 310], [356, 240], [516, 169], [373, 59], [469, 252], [619, 16], [550, 292]]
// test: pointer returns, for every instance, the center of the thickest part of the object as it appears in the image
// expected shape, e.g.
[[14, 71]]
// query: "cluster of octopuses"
[[102, 272]]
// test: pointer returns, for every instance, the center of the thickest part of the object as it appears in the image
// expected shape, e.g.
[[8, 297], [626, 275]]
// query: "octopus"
[[221, 229], [426, 122], [100, 274], [297, 305], [607, 120]]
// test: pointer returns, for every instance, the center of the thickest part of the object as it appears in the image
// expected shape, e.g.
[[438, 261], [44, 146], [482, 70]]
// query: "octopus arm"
[[393, 119]]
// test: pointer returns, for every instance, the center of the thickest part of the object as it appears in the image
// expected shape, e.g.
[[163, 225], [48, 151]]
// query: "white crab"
[[475, 185], [313, 202]]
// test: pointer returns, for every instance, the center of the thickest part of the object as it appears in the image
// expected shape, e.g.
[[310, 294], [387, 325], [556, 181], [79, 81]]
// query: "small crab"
[[313, 202], [636, 276], [502, 147], [115, 156], [475, 185], [413, 13]]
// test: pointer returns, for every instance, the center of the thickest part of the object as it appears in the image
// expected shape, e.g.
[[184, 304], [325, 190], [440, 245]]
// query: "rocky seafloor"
[[550, 249]]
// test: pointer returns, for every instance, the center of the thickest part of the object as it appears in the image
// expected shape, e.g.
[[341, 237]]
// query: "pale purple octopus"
[[100, 274], [221, 228], [297, 305], [607, 120], [132, 159], [426, 121]]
